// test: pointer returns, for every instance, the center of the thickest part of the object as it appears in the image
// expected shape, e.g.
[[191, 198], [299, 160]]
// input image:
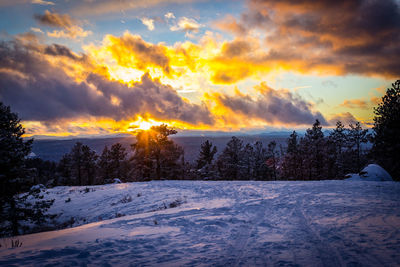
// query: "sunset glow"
[[71, 68], [142, 124]]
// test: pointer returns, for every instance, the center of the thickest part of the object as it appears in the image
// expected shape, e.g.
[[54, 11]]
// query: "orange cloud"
[[308, 36], [355, 103], [73, 93], [69, 26]]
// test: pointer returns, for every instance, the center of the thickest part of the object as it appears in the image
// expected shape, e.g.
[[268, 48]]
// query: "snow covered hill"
[[191, 223]]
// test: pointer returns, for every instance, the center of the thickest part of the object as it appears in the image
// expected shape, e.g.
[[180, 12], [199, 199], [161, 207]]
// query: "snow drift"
[[373, 172]]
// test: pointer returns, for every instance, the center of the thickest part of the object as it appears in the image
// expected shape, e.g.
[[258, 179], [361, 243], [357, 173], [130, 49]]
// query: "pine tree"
[[89, 158], [13, 152], [77, 163], [83, 164], [386, 139], [356, 137], [230, 161], [338, 138], [207, 153], [291, 165], [64, 169], [104, 164], [261, 169], [205, 168], [155, 155], [272, 158], [314, 143], [248, 162], [118, 161]]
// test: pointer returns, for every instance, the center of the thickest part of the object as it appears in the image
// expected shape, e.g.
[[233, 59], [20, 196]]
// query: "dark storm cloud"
[[41, 91]]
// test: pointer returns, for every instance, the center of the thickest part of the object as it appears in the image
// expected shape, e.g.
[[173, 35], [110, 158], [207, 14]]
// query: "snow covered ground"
[[191, 223]]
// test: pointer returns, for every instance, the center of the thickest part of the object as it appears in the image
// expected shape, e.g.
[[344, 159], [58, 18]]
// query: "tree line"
[[154, 156], [315, 155]]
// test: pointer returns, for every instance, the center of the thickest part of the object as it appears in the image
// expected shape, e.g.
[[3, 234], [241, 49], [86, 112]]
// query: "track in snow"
[[327, 223]]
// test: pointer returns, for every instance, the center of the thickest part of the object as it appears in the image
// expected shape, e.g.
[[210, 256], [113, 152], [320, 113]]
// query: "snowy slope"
[[324, 223]]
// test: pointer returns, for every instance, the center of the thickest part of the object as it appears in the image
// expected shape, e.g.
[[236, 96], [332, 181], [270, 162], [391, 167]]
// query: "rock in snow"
[[373, 172]]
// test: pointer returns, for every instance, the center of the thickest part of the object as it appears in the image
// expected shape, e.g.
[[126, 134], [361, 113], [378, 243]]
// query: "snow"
[[117, 181], [37, 187], [219, 223], [373, 172]]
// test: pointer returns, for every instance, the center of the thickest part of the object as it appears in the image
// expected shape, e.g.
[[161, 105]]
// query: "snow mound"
[[117, 181], [373, 172]]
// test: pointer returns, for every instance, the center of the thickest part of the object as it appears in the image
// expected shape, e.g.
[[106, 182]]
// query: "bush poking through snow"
[[125, 199], [176, 203], [15, 243], [87, 190]]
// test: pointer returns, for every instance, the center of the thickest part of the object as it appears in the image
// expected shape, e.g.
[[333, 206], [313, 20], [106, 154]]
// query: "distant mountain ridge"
[[54, 149]]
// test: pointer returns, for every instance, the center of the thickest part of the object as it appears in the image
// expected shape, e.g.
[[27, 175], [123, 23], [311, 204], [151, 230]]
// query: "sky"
[[99, 67]]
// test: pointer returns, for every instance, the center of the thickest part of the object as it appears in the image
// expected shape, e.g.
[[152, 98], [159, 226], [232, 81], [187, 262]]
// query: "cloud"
[[344, 37], [355, 103], [55, 19], [42, 2], [40, 90], [230, 24], [68, 26], [169, 15], [131, 51], [52, 85], [149, 23], [187, 25], [346, 118], [72, 32], [101, 7], [37, 30], [270, 106], [60, 50]]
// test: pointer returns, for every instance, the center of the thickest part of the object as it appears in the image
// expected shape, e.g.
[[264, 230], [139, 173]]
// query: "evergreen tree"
[[83, 164], [248, 162], [155, 155], [338, 139], [89, 158], [313, 145], [205, 168], [261, 169], [64, 169], [230, 161], [292, 161], [104, 163], [207, 153], [272, 159], [13, 152], [386, 139], [356, 137], [118, 161], [77, 163]]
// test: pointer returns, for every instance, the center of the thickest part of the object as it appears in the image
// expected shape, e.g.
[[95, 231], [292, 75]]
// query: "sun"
[[142, 124], [145, 125]]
